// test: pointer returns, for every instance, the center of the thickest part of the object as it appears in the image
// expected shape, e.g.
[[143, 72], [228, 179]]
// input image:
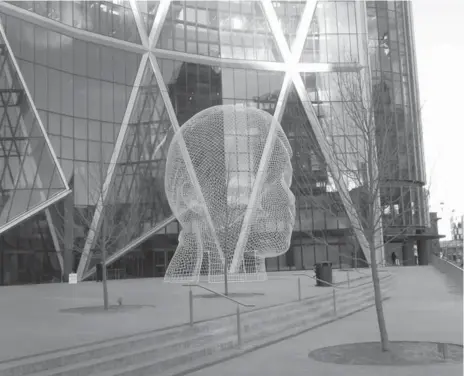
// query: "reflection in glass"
[[195, 87], [112, 19], [226, 29], [28, 173]]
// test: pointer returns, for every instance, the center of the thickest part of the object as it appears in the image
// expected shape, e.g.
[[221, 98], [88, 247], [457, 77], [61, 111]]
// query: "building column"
[[423, 251], [2, 264], [68, 246], [408, 252]]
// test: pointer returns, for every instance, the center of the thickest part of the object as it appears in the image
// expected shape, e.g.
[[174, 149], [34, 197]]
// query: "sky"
[[440, 56]]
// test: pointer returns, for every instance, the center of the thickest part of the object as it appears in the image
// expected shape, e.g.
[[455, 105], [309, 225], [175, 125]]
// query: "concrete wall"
[[453, 272]]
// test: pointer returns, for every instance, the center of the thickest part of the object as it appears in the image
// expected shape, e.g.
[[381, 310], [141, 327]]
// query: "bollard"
[[348, 277], [299, 289], [334, 303], [191, 306], [239, 329]]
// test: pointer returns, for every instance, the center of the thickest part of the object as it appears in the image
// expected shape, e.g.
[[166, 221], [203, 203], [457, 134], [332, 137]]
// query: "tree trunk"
[[225, 251], [226, 287], [68, 236], [226, 261], [378, 300], [103, 251]]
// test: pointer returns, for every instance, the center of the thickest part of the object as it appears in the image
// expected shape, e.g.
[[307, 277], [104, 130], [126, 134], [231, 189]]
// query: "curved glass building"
[[93, 91]]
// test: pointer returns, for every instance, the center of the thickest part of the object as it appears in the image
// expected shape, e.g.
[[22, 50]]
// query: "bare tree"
[[367, 136], [121, 216]]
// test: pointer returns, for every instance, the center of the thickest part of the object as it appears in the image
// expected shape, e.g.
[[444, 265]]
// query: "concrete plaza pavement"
[[32, 320], [424, 306]]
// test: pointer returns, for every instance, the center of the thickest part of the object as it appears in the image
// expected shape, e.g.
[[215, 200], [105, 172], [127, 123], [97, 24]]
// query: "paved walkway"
[[423, 307], [31, 320]]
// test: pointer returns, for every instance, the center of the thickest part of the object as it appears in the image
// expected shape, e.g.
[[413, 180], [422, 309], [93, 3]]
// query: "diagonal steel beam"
[[158, 23], [260, 176], [140, 23], [327, 152], [134, 243], [34, 109], [96, 220], [183, 148], [292, 58], [34, 166]]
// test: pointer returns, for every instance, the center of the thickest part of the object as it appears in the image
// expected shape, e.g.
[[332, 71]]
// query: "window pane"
[[80, 96], [54, 90], [80, 57]]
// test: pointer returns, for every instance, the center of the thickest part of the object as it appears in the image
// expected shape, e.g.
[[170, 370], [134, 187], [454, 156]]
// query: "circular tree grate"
[[231, 295], [401, 353], [99, 309]]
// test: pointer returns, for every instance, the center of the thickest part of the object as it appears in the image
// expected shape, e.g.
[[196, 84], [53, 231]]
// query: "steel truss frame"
[[46, 203], [291, 66]]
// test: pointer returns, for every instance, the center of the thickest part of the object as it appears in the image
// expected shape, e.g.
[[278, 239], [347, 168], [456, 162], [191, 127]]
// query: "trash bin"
[[99, 270], [323, 273]]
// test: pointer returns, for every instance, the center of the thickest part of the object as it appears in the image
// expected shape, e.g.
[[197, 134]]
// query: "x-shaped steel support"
[[292, 76]]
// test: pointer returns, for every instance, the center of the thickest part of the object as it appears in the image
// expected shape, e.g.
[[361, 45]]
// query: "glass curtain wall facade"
[[111, 82]]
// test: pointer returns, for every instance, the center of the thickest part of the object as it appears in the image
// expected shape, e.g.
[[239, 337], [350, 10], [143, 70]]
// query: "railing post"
[[334, 303], [191, 306], [348, 277], [239, 329], [299, 289]]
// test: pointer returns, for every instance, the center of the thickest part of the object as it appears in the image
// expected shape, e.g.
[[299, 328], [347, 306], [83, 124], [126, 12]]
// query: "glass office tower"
[[92, 92]]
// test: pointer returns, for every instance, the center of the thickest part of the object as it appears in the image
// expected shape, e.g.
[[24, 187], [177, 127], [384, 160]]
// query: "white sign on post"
[[72, 278]]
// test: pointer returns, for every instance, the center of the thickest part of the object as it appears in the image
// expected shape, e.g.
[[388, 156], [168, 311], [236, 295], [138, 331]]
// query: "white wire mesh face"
[[225, 145]]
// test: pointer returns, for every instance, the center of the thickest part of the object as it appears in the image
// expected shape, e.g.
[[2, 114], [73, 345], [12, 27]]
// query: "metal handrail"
[[337, 286], [219, 294], [239, 326], [334, 287], [317, 279]]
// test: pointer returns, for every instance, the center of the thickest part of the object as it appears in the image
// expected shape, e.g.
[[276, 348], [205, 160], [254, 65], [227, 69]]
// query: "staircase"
[[183, 349]]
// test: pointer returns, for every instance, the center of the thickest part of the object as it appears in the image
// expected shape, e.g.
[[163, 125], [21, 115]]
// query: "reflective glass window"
[[229, 29], [111, 19]]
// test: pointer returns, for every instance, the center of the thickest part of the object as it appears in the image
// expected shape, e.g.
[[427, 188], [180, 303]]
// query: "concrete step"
[[302, 321], [183, 360], [114, 355], [85, 353], [259, 338], [157, 354], [325, 305], [159, 350], [276, 334]]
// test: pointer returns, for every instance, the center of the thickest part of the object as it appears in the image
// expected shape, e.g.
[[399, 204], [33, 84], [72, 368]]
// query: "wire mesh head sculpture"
[[212, 165]]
